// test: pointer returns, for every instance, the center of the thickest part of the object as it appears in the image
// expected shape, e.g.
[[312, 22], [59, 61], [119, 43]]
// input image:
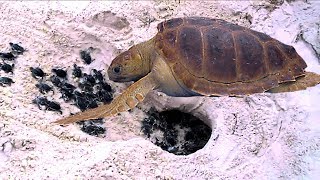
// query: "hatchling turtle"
[[202, 56]]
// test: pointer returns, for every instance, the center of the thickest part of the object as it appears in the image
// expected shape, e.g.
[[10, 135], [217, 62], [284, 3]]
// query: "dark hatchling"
[[5, 81], [104, 96], [17, 48], [44, 88], [98, 75], [68, 86], [80, 101], [92, 104], [85, 100], [49, 105], [40, 101], [37, 72], [93, 127], [53, 106], [104, 86], [85, 56], [7, 56], [67, 91], [55, 80], [88, 78], [85, 86], [76, 72], [7, 67], [199, 56], [60, 72], [66, 94]]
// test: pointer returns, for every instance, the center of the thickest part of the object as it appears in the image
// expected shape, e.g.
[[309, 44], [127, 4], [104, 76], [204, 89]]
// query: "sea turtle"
[[202, 56]]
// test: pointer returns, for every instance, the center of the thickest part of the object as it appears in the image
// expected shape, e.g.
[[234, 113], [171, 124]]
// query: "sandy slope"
[[264, 136]]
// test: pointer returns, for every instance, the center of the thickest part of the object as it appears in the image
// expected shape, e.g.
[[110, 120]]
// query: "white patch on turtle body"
[[168, 84]]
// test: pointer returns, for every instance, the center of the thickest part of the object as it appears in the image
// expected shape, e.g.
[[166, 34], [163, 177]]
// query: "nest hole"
[[175, 131]]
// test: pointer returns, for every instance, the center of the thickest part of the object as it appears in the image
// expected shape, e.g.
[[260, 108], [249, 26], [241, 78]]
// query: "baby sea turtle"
[[104, 86], [17, 48], [44, 88], [85, 56], [66, 94], [56, 81], [104, 96], [7, 67], [60, 72], [49, 105], [88, 78], [37, 72], [7, 56], [93, 127], [68, 86], [40, 101], [5, 81], [81, 101], [98, 75], [76, 72], [66, 90], [202, 56], [85, 86], [53, 106]]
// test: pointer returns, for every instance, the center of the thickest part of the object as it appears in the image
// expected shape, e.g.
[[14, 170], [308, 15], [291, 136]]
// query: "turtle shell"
[[215, 57]]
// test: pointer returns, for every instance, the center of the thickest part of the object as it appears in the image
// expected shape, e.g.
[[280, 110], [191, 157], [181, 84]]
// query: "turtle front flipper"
[[124, 102], [310, 79]]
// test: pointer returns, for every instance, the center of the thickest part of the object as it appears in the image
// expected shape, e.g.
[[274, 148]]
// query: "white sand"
[[263, 136]]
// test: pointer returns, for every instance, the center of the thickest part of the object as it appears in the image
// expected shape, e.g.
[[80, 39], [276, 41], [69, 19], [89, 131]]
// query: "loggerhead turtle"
[[202, 56]]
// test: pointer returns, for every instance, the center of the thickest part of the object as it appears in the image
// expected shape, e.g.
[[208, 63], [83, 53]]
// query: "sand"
[[262, 136]]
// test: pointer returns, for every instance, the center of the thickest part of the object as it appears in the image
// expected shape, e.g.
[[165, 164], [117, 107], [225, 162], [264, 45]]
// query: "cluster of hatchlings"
[[90, 90], [7, 64]]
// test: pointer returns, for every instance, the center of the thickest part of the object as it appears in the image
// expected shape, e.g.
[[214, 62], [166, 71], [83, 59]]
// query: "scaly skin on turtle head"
[[132, 64]]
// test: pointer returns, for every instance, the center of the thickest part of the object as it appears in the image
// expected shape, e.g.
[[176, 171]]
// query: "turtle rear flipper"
[[310, 79], [126, 101]]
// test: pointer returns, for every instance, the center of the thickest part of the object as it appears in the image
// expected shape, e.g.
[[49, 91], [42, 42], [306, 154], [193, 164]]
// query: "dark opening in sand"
[[175, 131]]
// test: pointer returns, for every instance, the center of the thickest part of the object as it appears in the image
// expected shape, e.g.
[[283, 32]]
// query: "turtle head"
[[128, 66]]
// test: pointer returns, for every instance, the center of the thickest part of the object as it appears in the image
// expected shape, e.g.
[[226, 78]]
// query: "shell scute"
[[249, 57], [217, 48], [276, 58], [190, 47], [171, 38]]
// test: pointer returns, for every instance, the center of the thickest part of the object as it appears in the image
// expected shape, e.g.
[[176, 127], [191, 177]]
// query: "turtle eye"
[[117, 69]]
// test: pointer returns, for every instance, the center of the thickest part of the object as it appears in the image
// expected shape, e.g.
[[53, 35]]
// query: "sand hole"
[[174, 131]]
